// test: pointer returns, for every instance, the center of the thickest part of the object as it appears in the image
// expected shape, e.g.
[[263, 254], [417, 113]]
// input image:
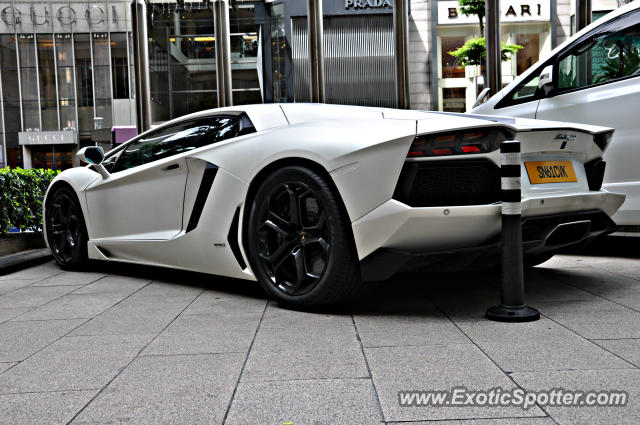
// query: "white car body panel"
[[140, 215], [614, 104]]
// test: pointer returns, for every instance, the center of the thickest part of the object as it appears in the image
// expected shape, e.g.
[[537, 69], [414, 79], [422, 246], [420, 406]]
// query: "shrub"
[[21, 196], [474, 52]]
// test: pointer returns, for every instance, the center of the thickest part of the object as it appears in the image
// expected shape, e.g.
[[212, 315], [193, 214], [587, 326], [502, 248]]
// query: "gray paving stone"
[[32, 296], [621, 266], [113, 285], [42, 408], [74, 363], [207, 334], [214, 302], [72, 306], [502, 421], [628, 349], [305, 353], [436, 367], [22, 339], [633, 302], [402, 324], [537, 346], [5, 366], [318, 402], [149, 310], [600, 282], [7, 286], [600, 380], [168, 390], [70, 278], [10, 313], [595, 319], [543, 285], [562, 261], [278, 317], [41, 271], [467, 305]]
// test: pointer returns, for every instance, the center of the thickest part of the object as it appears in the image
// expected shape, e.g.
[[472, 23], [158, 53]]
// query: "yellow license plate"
[[550, 172]]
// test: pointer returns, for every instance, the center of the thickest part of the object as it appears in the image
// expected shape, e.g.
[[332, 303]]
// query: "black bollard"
[[512, 307]]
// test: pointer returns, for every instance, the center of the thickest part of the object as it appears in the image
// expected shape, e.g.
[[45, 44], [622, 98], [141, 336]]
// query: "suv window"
[[178, 138], [604, 57]]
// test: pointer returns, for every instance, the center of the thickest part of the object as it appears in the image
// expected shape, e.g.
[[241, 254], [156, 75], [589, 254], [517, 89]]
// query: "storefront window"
[[47, 73], [119, 66], [244, 53], [66, 87], [29, 82], [454, 99], [55, 157], [102, 78], [84, 82], [182, 59], [11, 101], [278, 53], [530, 52], [449, 68]]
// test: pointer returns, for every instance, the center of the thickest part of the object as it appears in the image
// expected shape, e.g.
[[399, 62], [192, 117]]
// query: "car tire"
[[532, 260], [300, 242], [66, 229]]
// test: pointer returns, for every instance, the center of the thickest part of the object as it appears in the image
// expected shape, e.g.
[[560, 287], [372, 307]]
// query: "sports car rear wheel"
[[66, 231], [299, 241]]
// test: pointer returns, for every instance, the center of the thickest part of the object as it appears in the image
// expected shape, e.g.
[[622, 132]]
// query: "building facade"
[[65, 78], [66, 73]]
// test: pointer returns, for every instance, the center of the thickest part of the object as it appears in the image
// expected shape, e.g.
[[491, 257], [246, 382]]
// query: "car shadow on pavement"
[[609, 246], [180, 277]]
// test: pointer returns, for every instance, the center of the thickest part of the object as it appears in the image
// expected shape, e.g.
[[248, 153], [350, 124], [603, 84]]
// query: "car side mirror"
[[482, 97], [93, 155], [545, 83]]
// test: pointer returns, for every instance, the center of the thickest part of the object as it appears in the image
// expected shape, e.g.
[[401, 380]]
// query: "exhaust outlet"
[[568, 233]]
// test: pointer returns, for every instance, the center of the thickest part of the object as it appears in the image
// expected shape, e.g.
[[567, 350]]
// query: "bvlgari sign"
[[510, 11], [367, 4]]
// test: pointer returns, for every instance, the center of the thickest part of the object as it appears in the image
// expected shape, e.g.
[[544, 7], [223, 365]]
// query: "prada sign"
[[510, 11], [367, 4]]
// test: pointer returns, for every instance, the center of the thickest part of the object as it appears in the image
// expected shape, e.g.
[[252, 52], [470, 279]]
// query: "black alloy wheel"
[[300, 244], [66, 231]]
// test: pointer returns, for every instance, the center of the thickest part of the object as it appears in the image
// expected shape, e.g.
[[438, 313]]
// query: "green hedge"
[[21, 196]]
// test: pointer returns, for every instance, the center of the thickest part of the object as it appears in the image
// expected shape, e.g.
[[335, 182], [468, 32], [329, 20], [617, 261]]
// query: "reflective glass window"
[[176, 139], [66, 86], [602, 58], [449, 67], [47, 74], [119, 66], [29, 82], [102, 78], [11, 100], [84, 82]]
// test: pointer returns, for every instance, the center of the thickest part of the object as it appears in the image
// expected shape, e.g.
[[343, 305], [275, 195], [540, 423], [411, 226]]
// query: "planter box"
[[10, 243]]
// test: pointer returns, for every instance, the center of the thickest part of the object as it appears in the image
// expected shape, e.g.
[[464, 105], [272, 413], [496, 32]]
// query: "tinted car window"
[[177, 139], [605, 57]]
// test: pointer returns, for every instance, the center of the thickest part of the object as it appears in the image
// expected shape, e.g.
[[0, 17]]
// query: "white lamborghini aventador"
[[311, 200]]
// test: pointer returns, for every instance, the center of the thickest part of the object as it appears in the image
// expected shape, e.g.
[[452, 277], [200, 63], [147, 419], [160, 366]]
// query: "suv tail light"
[[470, 141]]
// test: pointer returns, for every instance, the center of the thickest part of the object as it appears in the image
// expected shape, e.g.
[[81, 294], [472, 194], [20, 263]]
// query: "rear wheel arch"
[[281, 163]]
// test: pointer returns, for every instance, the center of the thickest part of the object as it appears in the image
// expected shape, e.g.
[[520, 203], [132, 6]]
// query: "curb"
[[19, 260]]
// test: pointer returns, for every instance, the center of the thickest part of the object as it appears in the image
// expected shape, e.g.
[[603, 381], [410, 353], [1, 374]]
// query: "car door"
[[143, 198], [597, 81]]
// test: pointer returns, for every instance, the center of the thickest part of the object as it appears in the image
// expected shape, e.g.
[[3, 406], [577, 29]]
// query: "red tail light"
[[459, 142]]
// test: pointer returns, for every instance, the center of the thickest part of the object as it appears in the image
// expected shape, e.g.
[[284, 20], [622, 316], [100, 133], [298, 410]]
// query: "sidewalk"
[[124, 344]]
